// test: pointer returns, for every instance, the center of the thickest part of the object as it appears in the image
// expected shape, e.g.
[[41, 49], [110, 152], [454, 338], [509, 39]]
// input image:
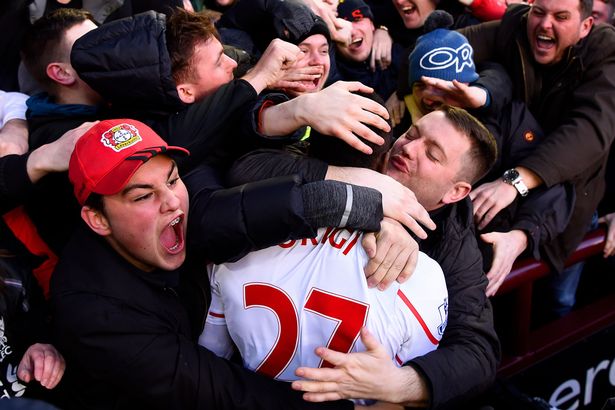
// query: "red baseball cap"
[[109, 153]]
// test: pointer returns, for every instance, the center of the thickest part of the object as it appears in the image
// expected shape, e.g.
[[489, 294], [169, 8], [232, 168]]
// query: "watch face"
[[510, 175]]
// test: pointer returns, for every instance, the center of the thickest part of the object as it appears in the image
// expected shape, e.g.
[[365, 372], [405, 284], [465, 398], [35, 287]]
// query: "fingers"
[[56, 373], [410, 265], [372, 60], [609, 245], [409, 222], [369, 245], [354, 141], [354, 86], [24, 372], [290, 85], [369, 340], [394, 260]]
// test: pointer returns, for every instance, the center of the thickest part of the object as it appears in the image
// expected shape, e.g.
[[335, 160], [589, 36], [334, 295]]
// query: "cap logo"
[[357, 14], [444, 57], [120, 137]]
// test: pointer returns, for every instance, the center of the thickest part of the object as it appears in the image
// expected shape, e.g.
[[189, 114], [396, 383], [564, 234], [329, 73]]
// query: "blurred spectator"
[[602, 11]]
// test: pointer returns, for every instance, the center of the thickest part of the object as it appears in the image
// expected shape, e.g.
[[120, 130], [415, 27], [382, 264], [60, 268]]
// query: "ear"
[[96, 221], [61, 73], [586, 26], [186, 93], [459, 191]]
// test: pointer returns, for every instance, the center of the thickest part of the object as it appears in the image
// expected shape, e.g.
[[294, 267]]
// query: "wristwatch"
[[512, 177]]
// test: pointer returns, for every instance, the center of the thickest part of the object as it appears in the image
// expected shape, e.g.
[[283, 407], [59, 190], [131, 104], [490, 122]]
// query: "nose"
[[545, 22], [230, 62], [411, 147], [316, 58], [170, 200]]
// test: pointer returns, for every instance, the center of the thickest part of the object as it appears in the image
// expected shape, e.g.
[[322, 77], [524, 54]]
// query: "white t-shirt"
[[280, 303], [12, 106]]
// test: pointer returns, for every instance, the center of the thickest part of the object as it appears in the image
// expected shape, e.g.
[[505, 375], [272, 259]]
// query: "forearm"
[[282, 119]]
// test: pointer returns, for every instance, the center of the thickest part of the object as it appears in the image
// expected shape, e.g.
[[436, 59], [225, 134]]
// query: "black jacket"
[[128, 342], [465, 362]]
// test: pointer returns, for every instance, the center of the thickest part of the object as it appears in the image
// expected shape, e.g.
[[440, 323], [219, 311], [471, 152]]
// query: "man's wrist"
[[513, 178], [413, 389]]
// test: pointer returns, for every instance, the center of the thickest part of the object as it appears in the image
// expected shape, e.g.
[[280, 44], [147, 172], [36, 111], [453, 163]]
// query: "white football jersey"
[[280, 303]]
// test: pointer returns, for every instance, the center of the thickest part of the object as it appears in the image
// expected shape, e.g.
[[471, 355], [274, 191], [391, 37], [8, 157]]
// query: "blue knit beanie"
[[442, 53]]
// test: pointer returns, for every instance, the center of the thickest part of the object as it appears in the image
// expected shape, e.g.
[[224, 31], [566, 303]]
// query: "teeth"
[[408, 9], [544, 38], [175, 221], [357, 40]]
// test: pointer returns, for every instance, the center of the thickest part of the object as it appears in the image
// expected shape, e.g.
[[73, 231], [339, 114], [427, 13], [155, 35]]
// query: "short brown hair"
[[185, 31], [483, 148], [44, 42]]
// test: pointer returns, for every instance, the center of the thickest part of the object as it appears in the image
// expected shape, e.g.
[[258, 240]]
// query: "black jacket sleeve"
[[14, 181], [268, 163], [225, 224]]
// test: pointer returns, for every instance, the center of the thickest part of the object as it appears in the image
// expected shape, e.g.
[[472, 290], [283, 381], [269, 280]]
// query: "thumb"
[[24, 373], [488, 237], [602, 219], [369, 340]]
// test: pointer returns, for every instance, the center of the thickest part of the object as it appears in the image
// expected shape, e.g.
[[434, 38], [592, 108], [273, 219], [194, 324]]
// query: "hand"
[[397, 108], [292, 78], [507, 246], [609, 244], [370, 374], [42, 362], [340, 29], [489, 199], [393, 254], [398, 202], [381, 50], [54, 157], [454, 93], [337, 112], [278, 57], [14, 137]]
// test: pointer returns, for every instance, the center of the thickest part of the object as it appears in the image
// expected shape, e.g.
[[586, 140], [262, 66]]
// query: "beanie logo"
[[120, 137], [442, 58]]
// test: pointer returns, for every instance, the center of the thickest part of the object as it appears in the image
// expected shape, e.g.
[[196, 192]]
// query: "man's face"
[[315, 50], [414, 12], [553, 26], [361, 43], [212, 69], [148, 218], [602, 12], [428, 158], [423, 97]]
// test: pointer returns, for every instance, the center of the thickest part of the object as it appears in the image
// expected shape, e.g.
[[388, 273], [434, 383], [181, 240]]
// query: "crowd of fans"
[[289, 204]]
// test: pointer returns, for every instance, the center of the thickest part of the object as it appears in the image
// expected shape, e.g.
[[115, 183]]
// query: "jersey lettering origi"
[[278, 304]]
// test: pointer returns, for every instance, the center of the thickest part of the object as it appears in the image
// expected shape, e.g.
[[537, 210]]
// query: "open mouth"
[[356, 43], [545, 42], [172, 236], [408, 9]]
